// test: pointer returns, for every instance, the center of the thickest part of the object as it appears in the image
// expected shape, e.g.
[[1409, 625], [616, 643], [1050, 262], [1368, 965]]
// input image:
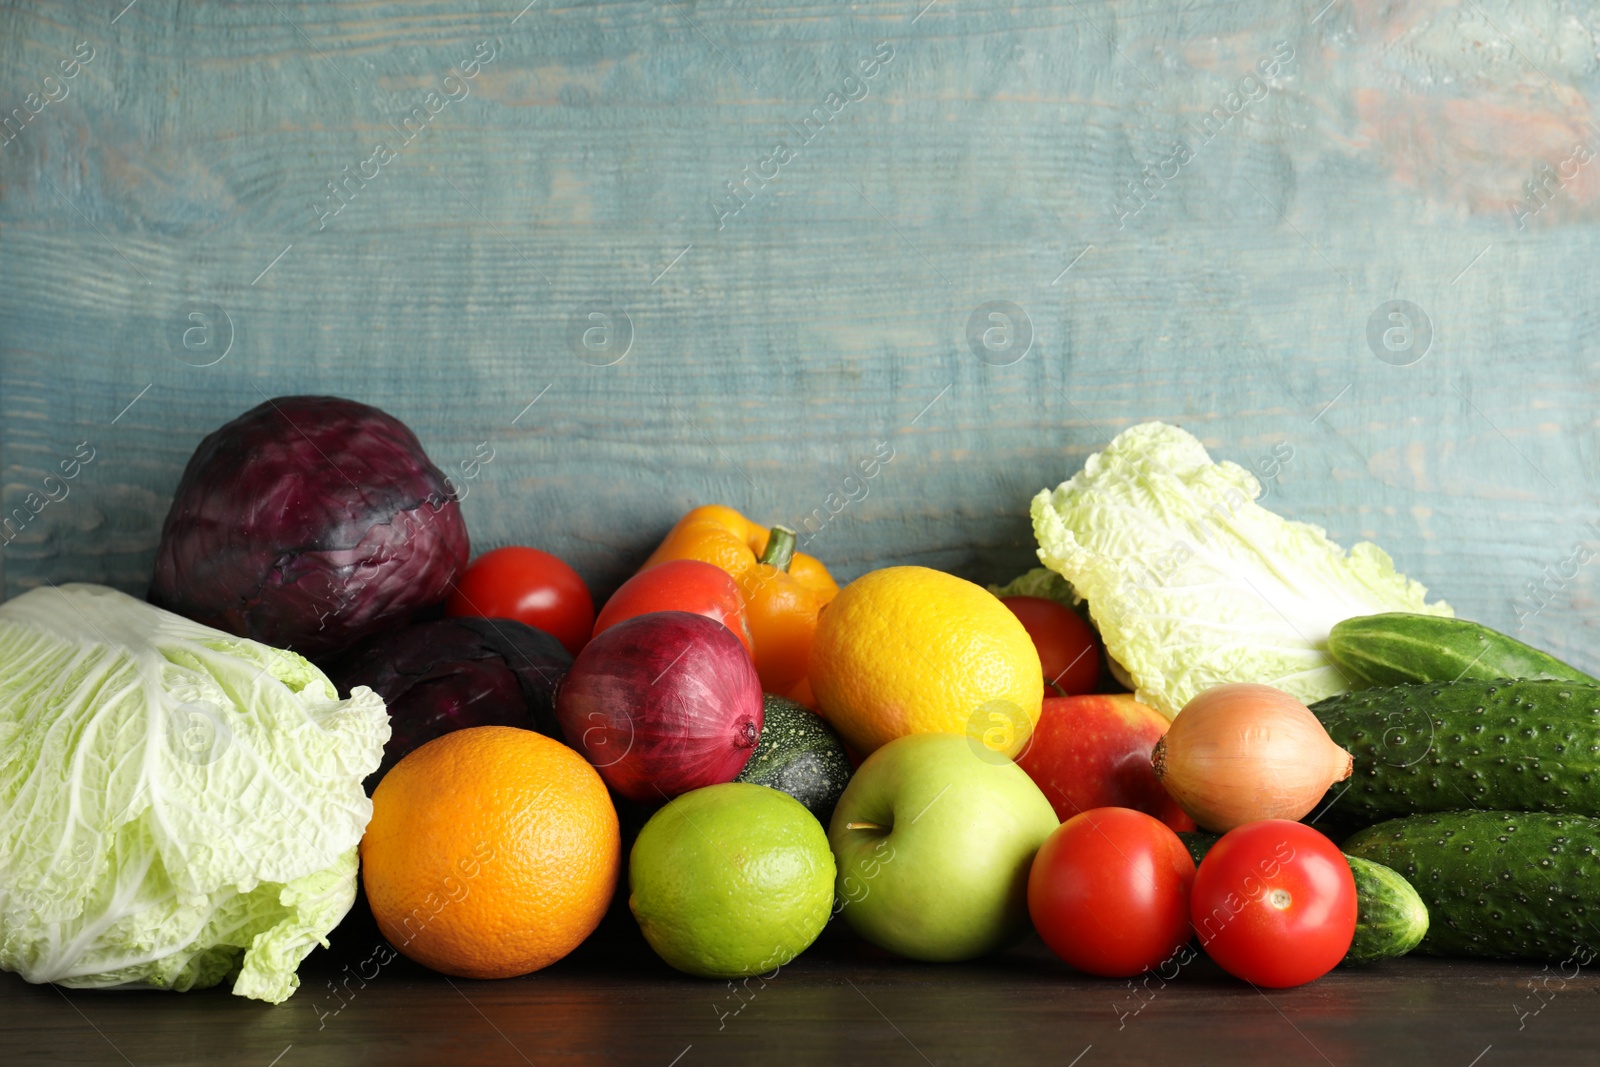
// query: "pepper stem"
[[780, 548]]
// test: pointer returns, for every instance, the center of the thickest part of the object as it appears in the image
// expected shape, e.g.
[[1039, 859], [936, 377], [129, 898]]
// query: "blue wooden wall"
[[731, 248]]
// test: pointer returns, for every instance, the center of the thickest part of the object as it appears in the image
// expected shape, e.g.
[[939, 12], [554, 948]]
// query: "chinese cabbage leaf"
[[1192, 584], [178, 806]]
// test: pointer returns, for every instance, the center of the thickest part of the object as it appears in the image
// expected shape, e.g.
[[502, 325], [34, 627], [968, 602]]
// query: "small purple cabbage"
[[454, 673], [309, 523]]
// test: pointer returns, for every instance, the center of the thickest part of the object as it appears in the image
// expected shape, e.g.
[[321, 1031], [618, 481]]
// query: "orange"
[[492, 852], [909, 650]]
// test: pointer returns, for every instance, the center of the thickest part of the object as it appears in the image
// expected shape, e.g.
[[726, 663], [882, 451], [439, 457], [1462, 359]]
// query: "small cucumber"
[[1500, 884], [1401, 648], [1198, 842], [1390, 916], [1507, 745]]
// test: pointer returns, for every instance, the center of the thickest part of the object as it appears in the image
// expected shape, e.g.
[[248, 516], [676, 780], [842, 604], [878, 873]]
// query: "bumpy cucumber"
[[1501, 884], [1400, 648], [1390, 916], [1508, 745], [1198, 842]]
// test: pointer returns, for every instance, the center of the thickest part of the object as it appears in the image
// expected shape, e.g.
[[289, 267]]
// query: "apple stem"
[[863, 826]]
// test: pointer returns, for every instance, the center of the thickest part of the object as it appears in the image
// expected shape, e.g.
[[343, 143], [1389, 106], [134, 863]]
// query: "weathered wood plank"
[[990, 159], [613, 1001]]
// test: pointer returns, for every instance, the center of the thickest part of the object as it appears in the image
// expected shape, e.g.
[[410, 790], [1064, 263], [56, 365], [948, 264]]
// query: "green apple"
[[933, 843]]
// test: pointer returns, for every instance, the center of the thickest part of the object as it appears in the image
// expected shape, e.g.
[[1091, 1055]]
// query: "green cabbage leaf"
[[1041, 582], [178, 806], [1193, 584]]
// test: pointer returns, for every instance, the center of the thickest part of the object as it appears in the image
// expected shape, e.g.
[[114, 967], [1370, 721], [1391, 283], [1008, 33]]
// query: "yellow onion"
[[1242, 752]]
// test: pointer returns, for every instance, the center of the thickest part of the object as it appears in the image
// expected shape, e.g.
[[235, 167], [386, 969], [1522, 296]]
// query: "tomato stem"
[[780, 548]]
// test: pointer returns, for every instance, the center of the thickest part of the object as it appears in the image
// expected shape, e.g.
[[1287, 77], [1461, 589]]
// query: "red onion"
[[661, 704]]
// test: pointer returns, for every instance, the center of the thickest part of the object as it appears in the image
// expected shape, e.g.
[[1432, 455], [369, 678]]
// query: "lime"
[[731, 880]]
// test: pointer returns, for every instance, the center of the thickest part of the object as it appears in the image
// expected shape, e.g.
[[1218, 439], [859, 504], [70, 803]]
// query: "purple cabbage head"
[[454, 673], [309, 522]]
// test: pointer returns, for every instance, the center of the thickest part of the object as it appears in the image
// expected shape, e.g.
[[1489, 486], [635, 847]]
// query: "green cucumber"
[[1198, 842], [1500, 884], [1401, 648], [1390, 916], [1508, 745], [799, 754]]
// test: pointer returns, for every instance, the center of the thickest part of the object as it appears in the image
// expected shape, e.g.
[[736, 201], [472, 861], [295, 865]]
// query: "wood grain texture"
[[583, 167], [614, 1002]]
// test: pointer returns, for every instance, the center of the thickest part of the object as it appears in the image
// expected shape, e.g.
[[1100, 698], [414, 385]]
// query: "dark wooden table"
[[613, 1002]]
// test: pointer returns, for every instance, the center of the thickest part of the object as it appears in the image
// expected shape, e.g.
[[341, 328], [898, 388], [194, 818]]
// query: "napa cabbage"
[[178, 806]]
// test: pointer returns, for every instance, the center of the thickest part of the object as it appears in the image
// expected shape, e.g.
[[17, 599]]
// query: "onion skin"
[[662, 703], [1243, 752]]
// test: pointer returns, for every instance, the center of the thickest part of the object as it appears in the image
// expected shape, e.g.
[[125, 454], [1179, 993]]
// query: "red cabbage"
[[308, 523], [453, 673]]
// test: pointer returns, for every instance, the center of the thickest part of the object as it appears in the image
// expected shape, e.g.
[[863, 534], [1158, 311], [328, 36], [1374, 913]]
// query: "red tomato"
[[531, 587], [1109, 892], [1274, 903], [679, 585], [1069, 652]]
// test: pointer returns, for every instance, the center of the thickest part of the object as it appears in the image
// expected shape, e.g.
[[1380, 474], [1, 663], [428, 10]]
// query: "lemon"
[[731, 880], [909, 650]]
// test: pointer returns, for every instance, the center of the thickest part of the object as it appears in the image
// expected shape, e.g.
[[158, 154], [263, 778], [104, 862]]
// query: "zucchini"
[[1505, 746], [1401, 648], [799, 754], [1500, 884], [1390, 916]]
